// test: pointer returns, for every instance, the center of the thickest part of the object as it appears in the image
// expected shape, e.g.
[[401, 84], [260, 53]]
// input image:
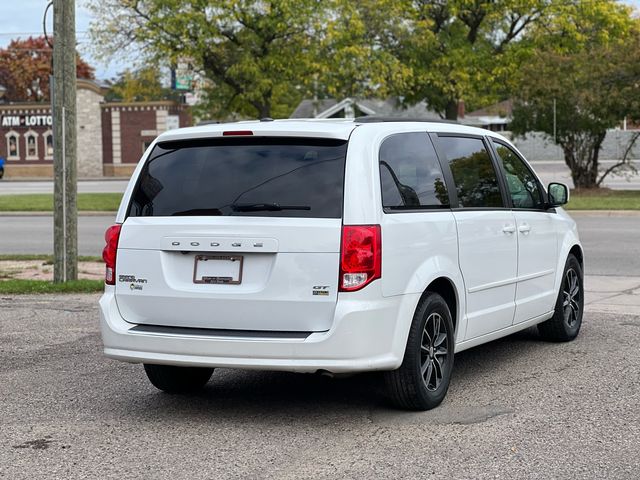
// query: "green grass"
[[45, 258], [597, 199], [604, 199], [97, 202], [44, 286]]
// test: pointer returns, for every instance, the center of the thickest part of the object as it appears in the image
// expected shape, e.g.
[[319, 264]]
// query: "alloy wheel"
[[571, 297], [434, 349]]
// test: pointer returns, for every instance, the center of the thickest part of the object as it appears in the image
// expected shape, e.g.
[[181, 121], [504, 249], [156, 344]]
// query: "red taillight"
[[111, 236], [232, 133], [360, 256]]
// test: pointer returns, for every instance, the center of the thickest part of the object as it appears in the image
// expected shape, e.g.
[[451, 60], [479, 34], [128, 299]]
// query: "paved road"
[[612, 243], [548, 170], [517, 408], [34, 234], [10, 187]]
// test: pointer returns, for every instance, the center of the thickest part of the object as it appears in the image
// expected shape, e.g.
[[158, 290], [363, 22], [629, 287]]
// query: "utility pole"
[[65, 214]]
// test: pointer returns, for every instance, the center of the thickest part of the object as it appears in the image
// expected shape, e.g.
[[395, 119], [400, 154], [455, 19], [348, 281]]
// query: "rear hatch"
[[239, 233]]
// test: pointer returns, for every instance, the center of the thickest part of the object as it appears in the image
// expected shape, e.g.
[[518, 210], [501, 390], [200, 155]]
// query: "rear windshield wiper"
[[198, 212], [269, 207]]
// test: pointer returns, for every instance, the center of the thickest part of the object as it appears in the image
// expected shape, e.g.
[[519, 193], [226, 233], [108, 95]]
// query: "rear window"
[[276, 177]]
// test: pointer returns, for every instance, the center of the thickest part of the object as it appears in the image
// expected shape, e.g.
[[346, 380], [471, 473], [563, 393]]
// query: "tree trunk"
[[451, 112], [581, 153], [264, 110]]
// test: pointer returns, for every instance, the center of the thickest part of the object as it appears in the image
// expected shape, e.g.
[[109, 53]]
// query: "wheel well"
[[443, 287], [577, 252]]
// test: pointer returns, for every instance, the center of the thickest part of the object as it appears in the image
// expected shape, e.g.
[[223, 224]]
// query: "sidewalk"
[[612, 294]]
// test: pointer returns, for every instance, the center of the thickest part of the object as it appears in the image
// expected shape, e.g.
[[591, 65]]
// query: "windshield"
[[250, 176]]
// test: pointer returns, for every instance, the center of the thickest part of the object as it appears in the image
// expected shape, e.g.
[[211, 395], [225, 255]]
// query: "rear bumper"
[[369, 332]]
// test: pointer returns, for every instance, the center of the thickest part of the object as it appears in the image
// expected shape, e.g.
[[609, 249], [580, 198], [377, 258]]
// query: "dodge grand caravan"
[[334, 246]]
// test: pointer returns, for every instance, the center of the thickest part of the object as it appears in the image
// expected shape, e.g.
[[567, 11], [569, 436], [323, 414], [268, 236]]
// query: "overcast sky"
[[21, 18]]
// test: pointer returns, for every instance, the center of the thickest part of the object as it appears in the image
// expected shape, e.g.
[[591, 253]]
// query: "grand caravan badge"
[[134, 283]]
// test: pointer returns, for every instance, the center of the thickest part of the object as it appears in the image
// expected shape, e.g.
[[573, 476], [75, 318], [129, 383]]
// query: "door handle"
[[508, 229], [524, 228]]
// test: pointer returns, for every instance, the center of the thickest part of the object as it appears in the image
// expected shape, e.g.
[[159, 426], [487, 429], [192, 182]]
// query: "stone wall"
[[89, 133], [537, 147]]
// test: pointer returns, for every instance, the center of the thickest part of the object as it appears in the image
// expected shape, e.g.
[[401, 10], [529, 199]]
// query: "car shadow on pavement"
[[266, 396]]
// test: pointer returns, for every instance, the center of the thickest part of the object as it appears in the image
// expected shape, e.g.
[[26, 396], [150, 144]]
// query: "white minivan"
[[334, 246]]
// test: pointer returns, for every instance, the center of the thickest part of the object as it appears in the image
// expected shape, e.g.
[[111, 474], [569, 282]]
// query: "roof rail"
[[377, 119]]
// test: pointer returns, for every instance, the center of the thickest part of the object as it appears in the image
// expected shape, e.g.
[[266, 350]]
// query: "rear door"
[[537, 237], [234, 233], [487, 240]]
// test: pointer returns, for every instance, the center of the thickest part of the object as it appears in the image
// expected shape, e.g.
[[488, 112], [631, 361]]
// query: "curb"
[[90, 213], [50, 180], [604, 213], [50, 214]]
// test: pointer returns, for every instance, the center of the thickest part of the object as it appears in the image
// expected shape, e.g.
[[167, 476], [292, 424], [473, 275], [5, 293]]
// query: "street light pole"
[[65, 230]]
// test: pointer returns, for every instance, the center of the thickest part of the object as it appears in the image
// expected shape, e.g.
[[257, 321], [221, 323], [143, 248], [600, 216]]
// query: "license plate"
[[218, 269]]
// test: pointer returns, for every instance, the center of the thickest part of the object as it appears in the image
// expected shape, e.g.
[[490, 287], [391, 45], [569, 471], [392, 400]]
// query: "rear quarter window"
[[279, 177], [410, 174]]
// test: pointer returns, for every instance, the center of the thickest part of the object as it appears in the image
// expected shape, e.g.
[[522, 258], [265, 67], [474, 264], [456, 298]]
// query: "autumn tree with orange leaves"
[[25, 66]]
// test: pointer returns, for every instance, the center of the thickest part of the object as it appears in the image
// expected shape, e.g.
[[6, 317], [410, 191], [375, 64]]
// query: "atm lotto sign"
[[9, 121]]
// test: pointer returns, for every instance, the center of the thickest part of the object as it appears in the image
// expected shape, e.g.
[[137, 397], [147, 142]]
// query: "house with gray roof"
[[356, 107]]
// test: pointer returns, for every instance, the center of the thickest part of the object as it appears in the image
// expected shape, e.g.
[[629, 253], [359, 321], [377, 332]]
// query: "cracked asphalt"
[[517, 408]]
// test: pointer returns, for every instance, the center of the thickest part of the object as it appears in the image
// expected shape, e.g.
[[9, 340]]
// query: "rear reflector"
[[111, 237], [237, 133], [360, 256]]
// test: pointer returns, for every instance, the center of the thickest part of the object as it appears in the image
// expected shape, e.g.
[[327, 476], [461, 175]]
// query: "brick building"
[[111, 136]]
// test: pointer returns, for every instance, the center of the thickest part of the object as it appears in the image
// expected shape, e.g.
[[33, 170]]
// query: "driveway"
[[517, 408]]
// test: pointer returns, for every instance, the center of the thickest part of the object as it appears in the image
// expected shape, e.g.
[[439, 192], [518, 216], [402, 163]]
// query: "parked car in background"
[[335, 246]]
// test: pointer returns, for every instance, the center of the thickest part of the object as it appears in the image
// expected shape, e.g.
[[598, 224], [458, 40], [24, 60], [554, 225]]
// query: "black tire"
[[171, 379], [422, 380], [567, 318]]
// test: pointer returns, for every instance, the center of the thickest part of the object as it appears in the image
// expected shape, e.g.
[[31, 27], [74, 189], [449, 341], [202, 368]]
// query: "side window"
[[522, 184], [410, 174], [473, 172]]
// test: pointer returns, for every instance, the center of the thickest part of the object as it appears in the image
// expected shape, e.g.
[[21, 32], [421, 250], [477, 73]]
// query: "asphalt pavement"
[[34, 233], [12, 187], [517, 408], [611, 241]]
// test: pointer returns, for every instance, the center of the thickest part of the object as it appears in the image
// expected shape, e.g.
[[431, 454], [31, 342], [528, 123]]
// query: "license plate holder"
[[218, 269]]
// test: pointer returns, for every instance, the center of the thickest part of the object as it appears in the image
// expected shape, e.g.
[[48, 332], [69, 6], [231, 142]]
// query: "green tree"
[[138, 86], [254, 54], [358, 53], [465, 49], [586, 70]]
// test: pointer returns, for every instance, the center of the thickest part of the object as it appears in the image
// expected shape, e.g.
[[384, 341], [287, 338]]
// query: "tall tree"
[[138, 86], [466, 49], [25, 66], [254, 54], [586, 72], [359, 52]]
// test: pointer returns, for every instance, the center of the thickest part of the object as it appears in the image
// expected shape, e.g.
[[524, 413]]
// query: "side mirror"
[[558, 194]]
